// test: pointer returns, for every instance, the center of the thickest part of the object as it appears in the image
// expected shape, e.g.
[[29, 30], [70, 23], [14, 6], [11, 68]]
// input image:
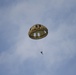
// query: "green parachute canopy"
[[38, 31]]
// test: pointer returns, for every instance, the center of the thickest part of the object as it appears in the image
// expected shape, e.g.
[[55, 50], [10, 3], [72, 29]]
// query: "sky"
[[20, 55]]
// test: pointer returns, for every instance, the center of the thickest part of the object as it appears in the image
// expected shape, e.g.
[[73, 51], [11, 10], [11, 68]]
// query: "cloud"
[[58, 46]]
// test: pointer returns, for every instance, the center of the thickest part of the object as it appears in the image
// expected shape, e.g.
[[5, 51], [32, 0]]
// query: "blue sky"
[[20, 55]]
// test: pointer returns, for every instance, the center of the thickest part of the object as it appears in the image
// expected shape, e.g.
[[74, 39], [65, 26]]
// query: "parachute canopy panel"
[[38, 31]]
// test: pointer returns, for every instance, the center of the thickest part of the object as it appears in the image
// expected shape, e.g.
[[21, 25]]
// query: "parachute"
[[38, 31]]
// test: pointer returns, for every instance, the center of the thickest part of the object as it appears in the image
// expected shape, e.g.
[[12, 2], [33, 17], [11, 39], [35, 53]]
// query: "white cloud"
[[58, 46]]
